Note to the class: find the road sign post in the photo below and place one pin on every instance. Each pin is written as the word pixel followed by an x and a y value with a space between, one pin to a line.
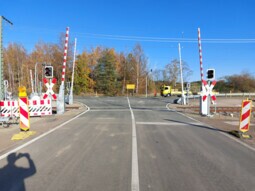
pixel 206 97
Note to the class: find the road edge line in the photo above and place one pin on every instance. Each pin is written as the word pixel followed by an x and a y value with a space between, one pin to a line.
pixel 42 135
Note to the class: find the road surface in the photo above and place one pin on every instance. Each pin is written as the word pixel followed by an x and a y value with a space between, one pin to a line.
pixel 124 144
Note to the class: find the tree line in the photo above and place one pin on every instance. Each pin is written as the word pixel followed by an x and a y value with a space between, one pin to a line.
pixel 100 70
pixel 104 70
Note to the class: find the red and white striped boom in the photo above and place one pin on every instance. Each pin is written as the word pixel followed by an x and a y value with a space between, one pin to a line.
pixel 65 56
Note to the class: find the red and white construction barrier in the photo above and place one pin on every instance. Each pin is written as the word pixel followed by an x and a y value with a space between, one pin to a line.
pixel 36 108
pixel 24 114
pixel 245 116
pixel 40 107
pixel 9 108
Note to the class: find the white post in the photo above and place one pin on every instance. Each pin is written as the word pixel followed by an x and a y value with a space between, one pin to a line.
pixel 146 84
pixel 32 84
pixel 71 88
pixel 36 78
pixel 183 96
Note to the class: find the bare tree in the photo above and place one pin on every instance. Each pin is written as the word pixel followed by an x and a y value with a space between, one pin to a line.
pixel 141 64
pixel 172 71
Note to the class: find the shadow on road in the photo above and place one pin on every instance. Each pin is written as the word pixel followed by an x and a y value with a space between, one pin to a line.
pixel 196 125
pixel 12 177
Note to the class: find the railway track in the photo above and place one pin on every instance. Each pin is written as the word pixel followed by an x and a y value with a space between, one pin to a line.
pixel 220 109
pixel 67 108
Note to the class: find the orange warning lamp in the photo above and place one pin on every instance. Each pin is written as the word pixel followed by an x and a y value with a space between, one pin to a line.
pixel 22 91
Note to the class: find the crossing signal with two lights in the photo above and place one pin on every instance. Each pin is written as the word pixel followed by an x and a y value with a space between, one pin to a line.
pixel 210 74
pixel 48 72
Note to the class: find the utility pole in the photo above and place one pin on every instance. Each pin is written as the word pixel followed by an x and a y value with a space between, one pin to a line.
pixel 137 76
pixel 183 96
pixel 146 88
pixel 1 56
pixel 71 88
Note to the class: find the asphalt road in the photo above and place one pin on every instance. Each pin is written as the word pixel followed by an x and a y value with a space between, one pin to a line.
pixel 124 144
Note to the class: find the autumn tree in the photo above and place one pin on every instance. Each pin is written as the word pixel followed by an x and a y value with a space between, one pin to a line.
pixel 244 82
pixel 82 81
pixel 16 67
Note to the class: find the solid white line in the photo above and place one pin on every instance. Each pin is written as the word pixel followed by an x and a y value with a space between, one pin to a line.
pixel 135 169
pixel 166 123
pixel 225 134
pixel 41 136
pixel 93 110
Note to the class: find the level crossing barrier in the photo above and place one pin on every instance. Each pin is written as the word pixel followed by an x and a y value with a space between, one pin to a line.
pixel 37 107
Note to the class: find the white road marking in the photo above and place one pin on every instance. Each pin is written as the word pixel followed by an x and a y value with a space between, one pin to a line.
pixel 236 123
pixel 41 136
pixel 135 170
pixel 225 134
pixel 104 110
pixel 166 123
pixel 107 118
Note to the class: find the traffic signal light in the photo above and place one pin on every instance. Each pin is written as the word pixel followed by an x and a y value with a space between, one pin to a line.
pixel 210 74
pixel 188 85
pixel 48 72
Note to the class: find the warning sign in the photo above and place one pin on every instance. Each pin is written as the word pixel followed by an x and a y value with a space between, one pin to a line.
pixel 130 86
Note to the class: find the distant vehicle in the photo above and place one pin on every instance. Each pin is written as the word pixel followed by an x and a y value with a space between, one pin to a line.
pixel 168 91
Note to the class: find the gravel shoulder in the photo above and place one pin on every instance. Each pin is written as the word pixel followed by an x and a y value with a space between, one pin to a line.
pixel 224 121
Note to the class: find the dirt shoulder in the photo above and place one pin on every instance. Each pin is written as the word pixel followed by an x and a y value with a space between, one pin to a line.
pixel 224 121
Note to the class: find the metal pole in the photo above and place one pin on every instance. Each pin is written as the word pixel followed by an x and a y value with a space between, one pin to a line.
pixel 1 61
pixel 31 76
pixel 71 89
pixel 1 56
pixel 183 96
pixel 36 78
pixel 137 76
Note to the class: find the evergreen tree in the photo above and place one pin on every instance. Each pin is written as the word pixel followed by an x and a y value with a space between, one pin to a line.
pixel 105 73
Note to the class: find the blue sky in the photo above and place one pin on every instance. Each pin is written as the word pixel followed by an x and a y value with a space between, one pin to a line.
pixel 44 20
